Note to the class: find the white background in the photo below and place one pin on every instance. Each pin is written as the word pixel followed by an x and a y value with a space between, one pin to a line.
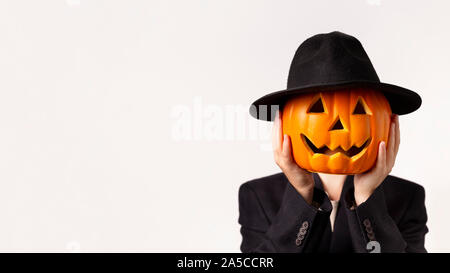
pixel 88 90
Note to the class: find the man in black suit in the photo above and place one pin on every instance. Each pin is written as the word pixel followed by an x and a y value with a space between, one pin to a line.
pixel 297 211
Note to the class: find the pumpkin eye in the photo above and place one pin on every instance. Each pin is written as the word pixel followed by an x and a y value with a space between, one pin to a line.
pixel 359 108
pixel 317 107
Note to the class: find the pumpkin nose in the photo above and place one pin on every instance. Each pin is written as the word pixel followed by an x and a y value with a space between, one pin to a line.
pixel 337 125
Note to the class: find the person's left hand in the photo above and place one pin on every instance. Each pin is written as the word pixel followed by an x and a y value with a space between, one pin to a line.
pixel 366 183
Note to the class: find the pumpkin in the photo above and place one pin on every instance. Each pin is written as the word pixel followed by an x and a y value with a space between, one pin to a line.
pixel 337 132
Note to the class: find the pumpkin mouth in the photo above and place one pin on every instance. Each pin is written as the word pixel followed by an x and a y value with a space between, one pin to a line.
pixel 352 151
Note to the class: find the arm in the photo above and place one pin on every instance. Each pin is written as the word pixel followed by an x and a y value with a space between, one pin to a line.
pixel 291 229
pixel 296 228
pixel 370 221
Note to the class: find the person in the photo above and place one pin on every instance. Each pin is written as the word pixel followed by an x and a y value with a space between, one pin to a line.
pixel 299 211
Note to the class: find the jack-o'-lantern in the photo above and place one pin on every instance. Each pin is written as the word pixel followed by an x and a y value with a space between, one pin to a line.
pixel 336 109
pixel 337 131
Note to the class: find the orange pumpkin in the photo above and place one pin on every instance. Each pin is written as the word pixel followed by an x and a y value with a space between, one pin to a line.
pixel 337 131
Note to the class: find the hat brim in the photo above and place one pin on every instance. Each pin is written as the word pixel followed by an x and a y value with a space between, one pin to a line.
pixel 402 101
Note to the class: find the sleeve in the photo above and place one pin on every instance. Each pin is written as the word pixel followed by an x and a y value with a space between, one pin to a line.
pixel 296 228
pixel 370 221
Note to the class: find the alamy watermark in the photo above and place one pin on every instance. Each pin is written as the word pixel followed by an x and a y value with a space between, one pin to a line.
pixel 198 121
pixel 373 247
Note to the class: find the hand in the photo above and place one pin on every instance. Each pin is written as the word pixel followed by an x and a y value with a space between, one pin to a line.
pixel 366 183
pixel 300 179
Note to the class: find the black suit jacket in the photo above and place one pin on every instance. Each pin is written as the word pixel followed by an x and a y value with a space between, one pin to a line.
pixel 274 217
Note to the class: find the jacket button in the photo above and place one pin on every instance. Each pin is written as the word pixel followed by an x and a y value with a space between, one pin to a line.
pixel 302 231
pixel 366 222
pixel 305 225
pixel 298 242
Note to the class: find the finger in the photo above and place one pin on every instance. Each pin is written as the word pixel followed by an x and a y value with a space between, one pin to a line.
pixel 381 158
pixel 277 133
pixel 390 153
pixel 287 151
pixel 397 134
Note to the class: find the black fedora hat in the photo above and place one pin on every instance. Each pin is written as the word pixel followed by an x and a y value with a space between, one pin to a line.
pixel 333 61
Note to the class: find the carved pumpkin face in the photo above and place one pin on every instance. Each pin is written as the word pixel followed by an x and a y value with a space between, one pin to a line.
pixel 337 131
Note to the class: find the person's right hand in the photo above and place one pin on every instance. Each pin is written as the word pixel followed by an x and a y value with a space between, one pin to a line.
pixel 300 179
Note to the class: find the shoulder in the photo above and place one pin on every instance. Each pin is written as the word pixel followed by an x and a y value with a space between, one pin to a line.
pixel 267 183
pixel 402 196
pixel 267 189
pixel 402 187
pixel 264 192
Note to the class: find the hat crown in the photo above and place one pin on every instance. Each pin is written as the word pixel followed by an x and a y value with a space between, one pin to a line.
pixel 333 57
